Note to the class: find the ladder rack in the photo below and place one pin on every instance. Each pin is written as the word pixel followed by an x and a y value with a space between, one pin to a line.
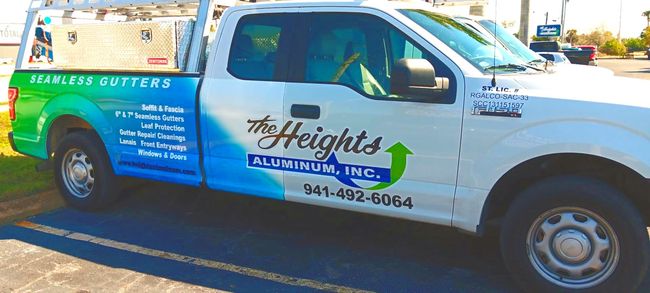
pixel 131 9
pixel 89 5
pixel 458 2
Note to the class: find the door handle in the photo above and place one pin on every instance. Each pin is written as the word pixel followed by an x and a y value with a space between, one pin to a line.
pixel 305 111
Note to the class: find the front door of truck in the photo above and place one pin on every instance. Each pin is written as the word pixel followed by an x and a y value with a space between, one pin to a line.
pixel 350 142
pixel 241 101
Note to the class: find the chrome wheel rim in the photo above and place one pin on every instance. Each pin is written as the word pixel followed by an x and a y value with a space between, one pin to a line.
pixel 573 247
pixel 78 173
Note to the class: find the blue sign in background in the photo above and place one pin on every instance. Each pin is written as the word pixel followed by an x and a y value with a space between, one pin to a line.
pixel 550 30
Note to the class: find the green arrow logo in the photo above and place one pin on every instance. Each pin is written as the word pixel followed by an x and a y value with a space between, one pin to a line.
pixel 398 152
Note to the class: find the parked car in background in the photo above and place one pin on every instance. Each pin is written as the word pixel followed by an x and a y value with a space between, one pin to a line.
pixel 557 58
pixel 585 56
pixel 488 28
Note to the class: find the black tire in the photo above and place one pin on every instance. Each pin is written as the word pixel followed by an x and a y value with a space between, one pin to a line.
pixel 591 197
pixel 104 189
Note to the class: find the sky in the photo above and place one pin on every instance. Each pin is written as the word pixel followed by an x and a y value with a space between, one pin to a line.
pixel 583 15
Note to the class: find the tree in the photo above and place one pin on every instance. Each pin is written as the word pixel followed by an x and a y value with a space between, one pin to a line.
pixel 635 44
pixel 571 36
pixel 536 38
pixel 647 16
pixel 613 47
pixel 645 35
pixel 598 37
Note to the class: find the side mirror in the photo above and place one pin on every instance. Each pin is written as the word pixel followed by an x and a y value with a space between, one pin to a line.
pixel 416 78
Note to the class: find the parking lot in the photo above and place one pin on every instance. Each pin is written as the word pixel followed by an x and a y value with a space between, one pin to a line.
pixel 230 242
pixel 172 238
pixel 637 68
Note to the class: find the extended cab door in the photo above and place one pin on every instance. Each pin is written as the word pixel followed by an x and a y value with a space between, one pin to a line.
pixel 241 97
pixel 350 141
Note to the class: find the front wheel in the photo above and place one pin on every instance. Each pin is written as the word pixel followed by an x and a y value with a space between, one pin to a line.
pixel 83 172
pixel 575 234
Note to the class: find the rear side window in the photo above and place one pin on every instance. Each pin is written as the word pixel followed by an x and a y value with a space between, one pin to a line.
pixel 548 57
pixel 255 47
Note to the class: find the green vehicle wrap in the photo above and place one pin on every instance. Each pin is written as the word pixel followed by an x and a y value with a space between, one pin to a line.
pixel 147 122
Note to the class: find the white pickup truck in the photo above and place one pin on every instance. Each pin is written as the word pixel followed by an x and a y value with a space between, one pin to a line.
pixel 377 107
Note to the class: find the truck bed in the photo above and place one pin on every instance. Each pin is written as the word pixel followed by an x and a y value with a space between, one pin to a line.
pixel 582 57
pixel 148 121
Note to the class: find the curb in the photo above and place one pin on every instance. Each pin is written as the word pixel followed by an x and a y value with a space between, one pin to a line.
pixel 622 58
pixel 32 205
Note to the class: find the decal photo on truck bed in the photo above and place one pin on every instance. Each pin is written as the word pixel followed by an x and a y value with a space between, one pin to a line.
pixel 148 122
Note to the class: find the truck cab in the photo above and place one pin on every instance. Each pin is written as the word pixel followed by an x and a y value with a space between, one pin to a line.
pixel 377 107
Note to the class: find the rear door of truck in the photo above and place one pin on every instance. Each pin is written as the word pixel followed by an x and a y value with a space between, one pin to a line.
pixel 242 102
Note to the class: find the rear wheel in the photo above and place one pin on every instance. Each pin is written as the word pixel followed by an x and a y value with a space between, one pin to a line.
pixel 83 172
pixel 573 233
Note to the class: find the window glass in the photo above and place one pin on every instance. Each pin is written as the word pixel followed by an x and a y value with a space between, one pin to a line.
pixel 565 59
pixel 510 41
pixel 358 51
pixel 548 57
pixel 255 47
pixel 479 50
pixel 401 48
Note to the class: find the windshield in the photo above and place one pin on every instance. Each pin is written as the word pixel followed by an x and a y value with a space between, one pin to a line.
pixel 471 45
pixel 512 43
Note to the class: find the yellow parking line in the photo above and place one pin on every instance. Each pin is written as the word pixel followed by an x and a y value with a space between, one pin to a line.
pixel 284 279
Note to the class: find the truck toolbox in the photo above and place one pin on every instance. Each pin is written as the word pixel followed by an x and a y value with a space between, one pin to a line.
pixel 133 45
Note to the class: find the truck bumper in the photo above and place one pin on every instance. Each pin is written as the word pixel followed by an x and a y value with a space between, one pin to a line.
pixel 11 141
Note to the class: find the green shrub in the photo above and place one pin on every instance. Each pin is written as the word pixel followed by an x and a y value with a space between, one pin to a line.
pixel 613 47
pixel 645 35
pixel 635 44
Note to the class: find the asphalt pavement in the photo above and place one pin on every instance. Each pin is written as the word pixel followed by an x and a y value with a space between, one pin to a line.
pixel 636 68
pixel 238 243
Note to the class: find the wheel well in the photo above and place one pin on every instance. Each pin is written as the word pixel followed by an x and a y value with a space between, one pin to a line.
pixel 63 126
pixel 631 183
